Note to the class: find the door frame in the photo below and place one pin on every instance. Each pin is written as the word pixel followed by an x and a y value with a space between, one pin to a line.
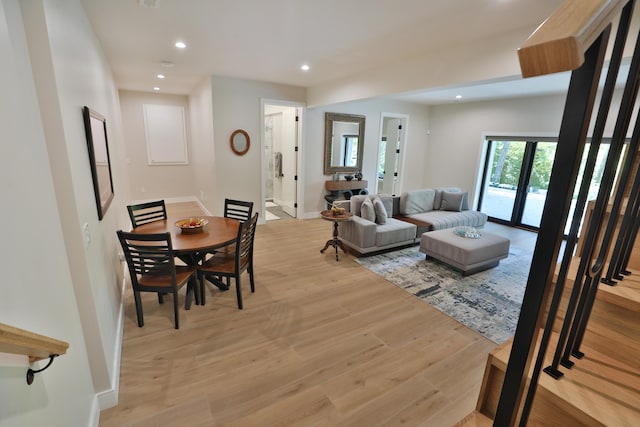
pixel 299 192
pixel 403 144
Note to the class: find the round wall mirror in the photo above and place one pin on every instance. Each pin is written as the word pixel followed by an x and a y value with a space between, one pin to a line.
pixel 240 142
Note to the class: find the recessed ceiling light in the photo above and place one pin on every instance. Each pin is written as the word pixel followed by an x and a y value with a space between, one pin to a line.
pixel 458 96
pixel 160 76
pixel 305 67
pixel 156 88
pixel 180 45
pixel 167 64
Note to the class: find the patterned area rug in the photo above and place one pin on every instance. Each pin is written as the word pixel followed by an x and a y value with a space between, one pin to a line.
pixel 487 302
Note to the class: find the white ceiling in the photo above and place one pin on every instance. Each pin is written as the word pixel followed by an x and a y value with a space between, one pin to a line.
pixel 269 40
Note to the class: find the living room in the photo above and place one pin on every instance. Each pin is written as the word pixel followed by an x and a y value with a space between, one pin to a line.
pixel 56 65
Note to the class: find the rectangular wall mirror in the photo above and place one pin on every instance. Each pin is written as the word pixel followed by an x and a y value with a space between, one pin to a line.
pixel 343 143
pixel 95 127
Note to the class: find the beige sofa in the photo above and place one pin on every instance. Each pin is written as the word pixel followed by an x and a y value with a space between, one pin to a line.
pixel 437 208
pixel 366 233
pixel 399 221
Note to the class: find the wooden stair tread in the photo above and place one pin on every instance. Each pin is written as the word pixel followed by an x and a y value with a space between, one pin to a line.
pixel 626 292
pixel 475 419
pixel 604 389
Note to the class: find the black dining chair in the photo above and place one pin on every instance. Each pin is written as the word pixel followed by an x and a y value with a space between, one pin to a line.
pixel 147 212
pixel 150 258
pixel 238 209
pixel 232 265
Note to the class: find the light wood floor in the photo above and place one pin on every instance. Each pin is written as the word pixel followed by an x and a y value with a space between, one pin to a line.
pixel 320 343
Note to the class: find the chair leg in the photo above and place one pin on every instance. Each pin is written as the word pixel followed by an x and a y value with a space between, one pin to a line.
pixel 160 298
pixel 253 285
pixel 136 297
pixel 238 292
pixel 175 309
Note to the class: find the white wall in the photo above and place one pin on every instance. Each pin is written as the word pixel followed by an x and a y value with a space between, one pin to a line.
pixel 152 182
pixel 412 175
pixel 202 148
pixel 458 130
pixel 236 105
pixel 44 149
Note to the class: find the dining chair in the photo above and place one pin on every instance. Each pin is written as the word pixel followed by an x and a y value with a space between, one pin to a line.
pixel 232 265
pixel 150 258
pixel 235 209
pixel 147 212
pixel 238 209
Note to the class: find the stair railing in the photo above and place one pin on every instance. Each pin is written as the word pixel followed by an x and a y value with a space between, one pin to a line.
pixel 573 39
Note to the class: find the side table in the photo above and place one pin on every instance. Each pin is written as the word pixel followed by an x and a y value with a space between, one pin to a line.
pixel 335 242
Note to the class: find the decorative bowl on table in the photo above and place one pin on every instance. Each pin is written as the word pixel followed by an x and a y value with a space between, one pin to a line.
pixel 191 225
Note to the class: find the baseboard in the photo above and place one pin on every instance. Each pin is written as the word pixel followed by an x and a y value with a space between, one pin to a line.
pixel 109 398
pixel 94 420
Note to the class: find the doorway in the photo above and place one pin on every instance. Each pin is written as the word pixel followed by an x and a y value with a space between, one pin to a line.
pixel 393 129
pixel 281 135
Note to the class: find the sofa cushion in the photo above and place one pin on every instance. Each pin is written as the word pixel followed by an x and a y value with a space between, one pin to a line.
pixel 416 201
pixel 394 231
pixel 367 211
pixel 452 201
pixel 438 220
pixel 380 210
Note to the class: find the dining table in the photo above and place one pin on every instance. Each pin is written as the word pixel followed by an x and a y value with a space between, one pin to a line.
pixel 192 247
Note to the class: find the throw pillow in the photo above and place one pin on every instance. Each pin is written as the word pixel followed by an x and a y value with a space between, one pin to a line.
pixel 355 203
pixel 452 201
pixel 380 210
pixel 366 210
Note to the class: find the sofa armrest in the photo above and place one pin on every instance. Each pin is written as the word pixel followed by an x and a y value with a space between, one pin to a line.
pixel 359 231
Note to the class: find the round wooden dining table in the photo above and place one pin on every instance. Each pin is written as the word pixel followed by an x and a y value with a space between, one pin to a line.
pixel 191 248
pixel 219 232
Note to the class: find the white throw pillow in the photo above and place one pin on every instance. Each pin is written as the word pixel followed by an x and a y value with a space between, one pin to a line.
pixel 367 211
pixel 380 210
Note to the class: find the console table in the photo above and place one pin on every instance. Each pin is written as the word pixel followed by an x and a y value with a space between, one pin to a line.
pixel 348 188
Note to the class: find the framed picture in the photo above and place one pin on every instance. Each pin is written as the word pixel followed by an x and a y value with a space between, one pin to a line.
pixel 95 127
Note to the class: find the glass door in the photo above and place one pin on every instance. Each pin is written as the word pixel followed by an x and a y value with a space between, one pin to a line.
pixel 538 183
pixel 516 180
pixel 504 161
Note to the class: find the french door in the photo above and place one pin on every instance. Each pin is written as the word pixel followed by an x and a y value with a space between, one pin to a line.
pixel 516 177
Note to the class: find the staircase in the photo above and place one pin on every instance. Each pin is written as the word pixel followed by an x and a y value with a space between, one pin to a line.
pixel 602 389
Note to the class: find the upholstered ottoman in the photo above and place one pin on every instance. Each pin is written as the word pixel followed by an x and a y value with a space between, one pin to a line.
pixel 465 254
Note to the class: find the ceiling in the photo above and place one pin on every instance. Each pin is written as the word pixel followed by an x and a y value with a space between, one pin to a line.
pixel 268 40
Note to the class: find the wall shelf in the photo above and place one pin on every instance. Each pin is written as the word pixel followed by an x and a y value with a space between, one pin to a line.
pixel 35 346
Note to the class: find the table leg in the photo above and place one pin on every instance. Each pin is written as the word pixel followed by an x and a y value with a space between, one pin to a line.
pixel 335 242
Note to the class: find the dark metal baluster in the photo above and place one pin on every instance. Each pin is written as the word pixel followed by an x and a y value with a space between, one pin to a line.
pixel 625 235
pixel 575 122
pixel 603 112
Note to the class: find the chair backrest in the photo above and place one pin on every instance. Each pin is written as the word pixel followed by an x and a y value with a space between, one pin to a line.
pixel 147 212
pixel 238 209
pixel 244 243
pixel 148 255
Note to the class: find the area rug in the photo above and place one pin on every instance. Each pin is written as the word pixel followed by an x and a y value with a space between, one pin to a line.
pixel 487 302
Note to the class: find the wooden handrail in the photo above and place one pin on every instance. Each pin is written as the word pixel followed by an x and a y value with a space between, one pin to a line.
pixel 37 347
pixel 560 42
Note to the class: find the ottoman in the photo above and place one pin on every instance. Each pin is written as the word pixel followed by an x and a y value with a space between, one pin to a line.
pixel 465 254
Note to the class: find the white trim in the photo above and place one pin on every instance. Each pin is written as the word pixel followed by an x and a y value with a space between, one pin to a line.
pixel 300 108
pixel 403 149
pixel 94 416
